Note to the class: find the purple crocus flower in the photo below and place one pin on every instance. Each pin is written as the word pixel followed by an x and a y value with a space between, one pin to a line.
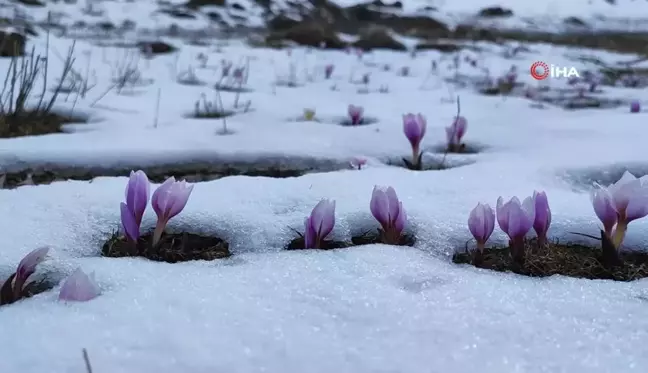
pixel 635 106
pixel 79 287
pixel 630 200
pixel 389 212
pixel 481 224
pixel 319 224
pixel 169 199
pixel 328 70
pixel 542 219
pixel 516 219
pixel 456 131
pixel 414 127
pixel 355 113
pixel 27 266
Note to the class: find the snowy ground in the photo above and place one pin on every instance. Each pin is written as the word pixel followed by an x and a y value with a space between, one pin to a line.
pixel 599 15
pixel 365 309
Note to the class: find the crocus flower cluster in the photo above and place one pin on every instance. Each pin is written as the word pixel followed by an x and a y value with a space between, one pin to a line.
pixel 319 224
pixel 514 218
pixel 414 127
pixel 13 289
pixel 384 206
pixel 355 114
pixel 619 204
pixel 455 132
pixel 635 106
pixel 168 200
pixel 76 287
pixel 389 212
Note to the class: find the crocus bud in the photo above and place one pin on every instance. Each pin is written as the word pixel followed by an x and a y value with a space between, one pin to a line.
pixel 319 224
pixel 355 114
pixel 129 224
pixel 328 71
pixel 542 219
pixel 389 212
pixel 137 194
pixel 635 106
pixel 12 288
pixel 414 127
pixel 27 267
pixel 79 287
pixel 169 199
pixel 516 219
pixel 481 224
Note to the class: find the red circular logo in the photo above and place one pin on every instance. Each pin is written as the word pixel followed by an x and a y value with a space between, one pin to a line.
pixel 539 70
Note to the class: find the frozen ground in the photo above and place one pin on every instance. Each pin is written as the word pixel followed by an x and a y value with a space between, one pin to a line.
pixel 599 15
pixel 365 309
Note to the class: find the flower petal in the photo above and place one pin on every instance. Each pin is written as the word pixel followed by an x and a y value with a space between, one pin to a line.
pixel 79 287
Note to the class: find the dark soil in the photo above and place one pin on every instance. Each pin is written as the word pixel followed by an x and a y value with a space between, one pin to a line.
pixel 172 248
pixel 461 149
pixel 424 166
pixel 34 124
pixel 365 121
pixel 192 173
pixel 559 259
pixel 298 244
pixel 204 114
pixel 370 238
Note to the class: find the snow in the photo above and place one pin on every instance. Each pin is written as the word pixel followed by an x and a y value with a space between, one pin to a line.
pixel 366 309
pixel 600 15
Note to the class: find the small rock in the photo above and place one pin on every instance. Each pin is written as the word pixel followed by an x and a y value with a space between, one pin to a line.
pixel 238 6
pixel 495 11
pixel 11 44
pixel 194 4
pixel 282 23
pixel 156 47
pixel 574 21
pixel 378 38
pixel 178 13
pixel 441 47
pixel 31 3
pixel 106 26
pixel 311 34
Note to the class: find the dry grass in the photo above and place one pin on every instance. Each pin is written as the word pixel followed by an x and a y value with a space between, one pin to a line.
pixel 559 259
